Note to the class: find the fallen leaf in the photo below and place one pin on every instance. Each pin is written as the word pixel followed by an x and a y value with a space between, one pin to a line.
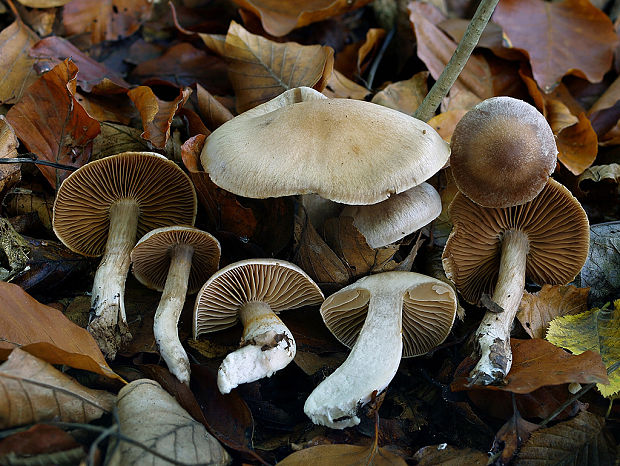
pixel 46 333
pixel 107 19
pixel 537 363
pixel 52 124
pixel 115 138
pixel 279 18
pixel 154 418
pixel 578 145
pixel 510 437
pixel 37 392
pixel 545 31
pixel 111 108
pixel 597 330
pixel 446 455
pixel 93 76
pixel 260 69
pixel 598 173
pixel 339 86
pixel 404 96
pixel 342 455
pixel 538 309
pixel 43 3
pixel 157 114
pixel 26 199
pixel 211 110
pixel 17 73
pixel 582 440
pixel 601 271
pixel 40 438
pixel 353 60
pixel 10 173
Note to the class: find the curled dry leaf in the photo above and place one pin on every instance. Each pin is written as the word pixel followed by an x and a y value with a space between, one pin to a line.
pixel 157 114
pixel 404 96
pixel 15 64
pixel 279 18
pixel 34 391
pixel 46 333
pixel 353 60
pixel 260 69
pixel 574 25
pixel 598 173
pixel 343 455
pixel 510 437
pixel 538 309
pixel 149 415
pixel 52 124
pixel 105 19
pixel 211 110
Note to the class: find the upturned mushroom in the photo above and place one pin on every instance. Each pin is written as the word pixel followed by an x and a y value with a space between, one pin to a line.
pixel 301 142
pixel 253 291
pixel 176 260
pixel 492 250
pixel 102 209
pixel 384 317
pixel 503 152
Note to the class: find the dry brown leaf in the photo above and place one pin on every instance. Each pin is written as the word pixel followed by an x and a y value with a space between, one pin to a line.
pixel 46 333
pixel 279 18
pixel 339 86
pixel 261 69
pixel 34 391
pixel 578 145
pixel 52 124
pixel 446 455
pixel 30 199
pixel 105 19
pixel 211 110
pixel 547 30
pixel 597 173
pixel 10 174
pixel 39 439
pixel 538 309
pixel 537 363
pixel 353 60
pixel 343 455
pixel 157 114
pixel 445 122
pixel 404 96
pixel 115 108
pixel 16 65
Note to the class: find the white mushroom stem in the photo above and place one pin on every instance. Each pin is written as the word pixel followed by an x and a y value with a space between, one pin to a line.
pixel 166 324
pixel 370 367
pixel 267 346
pixel 493 334
pixel 108 323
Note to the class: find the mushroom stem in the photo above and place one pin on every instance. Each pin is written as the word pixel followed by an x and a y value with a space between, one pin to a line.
pixel 267 346
pixel 370 367
pixel 493 334
pixel 108 324
pixel 165 326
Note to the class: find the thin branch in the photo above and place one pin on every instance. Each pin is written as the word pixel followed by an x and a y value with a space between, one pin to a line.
pixel 33 159
pixel 451 72
pixel 379 57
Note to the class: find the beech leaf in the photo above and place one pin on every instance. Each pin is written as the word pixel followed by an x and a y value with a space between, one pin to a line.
pixel 34 391
pixel 404 96
pixel 15 64
pixel 446 455
pixel 343 455
pixel 211 110
pixel 596 330
pixel 339 86
pixel 595 174
pixel 46 333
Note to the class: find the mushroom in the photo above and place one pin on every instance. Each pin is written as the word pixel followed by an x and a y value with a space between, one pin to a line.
pixel 253 291
pixel 176 260
pixel 102 209
pixel 384 317
pixel 492 250
pixel 301 142
pixel 503 152
pixel 396 217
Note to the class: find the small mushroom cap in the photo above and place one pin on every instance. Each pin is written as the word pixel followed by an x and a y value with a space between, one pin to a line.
pixel 554 222
pixel 345 150
pixel 396 217
pixel 503 152
pixel 429 307
pixel 278 283
pixel 151 256
pixel 164 193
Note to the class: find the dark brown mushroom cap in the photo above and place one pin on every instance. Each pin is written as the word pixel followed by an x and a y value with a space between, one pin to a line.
pixel 429 307
pixel 164 193
pixel 151 256
pixel 278 283
pixel 503 152
pixel 556 226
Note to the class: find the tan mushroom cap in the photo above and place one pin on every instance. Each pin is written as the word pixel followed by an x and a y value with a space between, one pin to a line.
pixel 164 193
pixel 278 283
pixel 556 226
pixel 503 151
pixel 151 256
pixel 429 307
pixel 396 217
pixel 345 150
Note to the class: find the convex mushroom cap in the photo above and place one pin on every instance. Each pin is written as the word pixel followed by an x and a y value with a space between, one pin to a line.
pixel 252 291
pixel 301 142
pixel 383 317
pixel 175 260
pixel 503 151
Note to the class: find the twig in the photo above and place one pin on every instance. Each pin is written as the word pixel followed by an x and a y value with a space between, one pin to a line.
pixel 567 403
pixel 375 64
pixel 33 159
pixel 450 73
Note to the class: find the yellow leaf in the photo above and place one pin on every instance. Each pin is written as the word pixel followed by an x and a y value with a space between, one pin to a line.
pixel 597 330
